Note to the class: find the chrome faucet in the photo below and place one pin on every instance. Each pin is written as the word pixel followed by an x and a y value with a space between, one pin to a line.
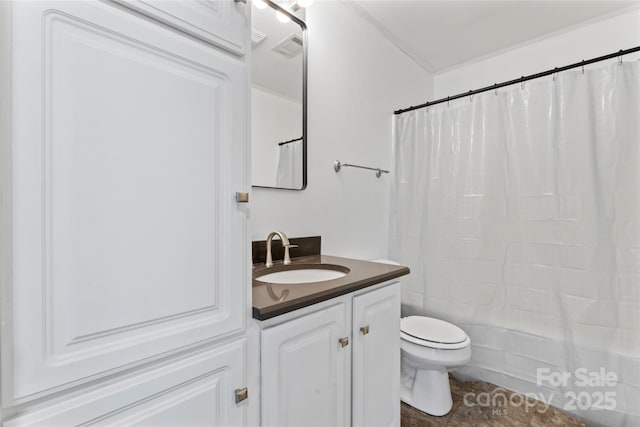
pixel 285 244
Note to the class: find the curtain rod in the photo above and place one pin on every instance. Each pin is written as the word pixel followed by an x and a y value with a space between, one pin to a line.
pixel 521 79
pixel 290 141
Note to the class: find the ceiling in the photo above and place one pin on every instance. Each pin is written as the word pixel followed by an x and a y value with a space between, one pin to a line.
pixel 441 35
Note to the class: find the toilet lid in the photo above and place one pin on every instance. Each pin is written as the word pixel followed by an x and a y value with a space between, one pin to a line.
pixel 430 329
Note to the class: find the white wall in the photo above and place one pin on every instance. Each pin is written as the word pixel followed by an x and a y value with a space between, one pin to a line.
pixel 357 78
pixel 582 42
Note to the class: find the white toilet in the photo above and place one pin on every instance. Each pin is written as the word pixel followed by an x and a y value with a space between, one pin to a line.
pixel 429 349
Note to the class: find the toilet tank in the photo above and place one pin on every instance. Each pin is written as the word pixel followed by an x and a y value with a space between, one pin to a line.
pixel 407 308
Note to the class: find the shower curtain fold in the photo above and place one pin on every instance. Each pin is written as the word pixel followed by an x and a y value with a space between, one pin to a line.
pixel 519 216
pixel 289 172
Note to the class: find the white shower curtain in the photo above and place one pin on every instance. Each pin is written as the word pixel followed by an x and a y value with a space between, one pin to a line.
pixel 289 173
pixel 518 213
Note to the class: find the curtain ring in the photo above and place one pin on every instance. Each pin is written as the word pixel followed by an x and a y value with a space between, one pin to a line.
pixel 522 83
pixel 470 96
pixel 583 66
pixel 496 86
pixel 620 60
pixel 555 73
pixel 447 102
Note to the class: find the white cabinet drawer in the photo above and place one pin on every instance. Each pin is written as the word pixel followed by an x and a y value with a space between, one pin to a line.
pixel 195 391
pixel 221 22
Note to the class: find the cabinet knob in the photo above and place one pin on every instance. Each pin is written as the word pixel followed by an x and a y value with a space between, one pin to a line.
pixel 242 197
pixel 241 394
pixel 344 341
pixel 364 330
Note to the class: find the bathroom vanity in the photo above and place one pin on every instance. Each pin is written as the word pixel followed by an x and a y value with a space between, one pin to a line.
pixel 330 350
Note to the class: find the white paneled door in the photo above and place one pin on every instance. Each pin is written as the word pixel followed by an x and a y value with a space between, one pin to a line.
pixel 128 143
pixel 376 358
pixel 216 21
pixel 305 370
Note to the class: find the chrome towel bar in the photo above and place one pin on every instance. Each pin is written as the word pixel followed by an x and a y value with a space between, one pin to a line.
pixel 337 165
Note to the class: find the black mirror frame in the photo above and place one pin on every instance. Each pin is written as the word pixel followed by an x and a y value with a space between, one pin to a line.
pixel 303 27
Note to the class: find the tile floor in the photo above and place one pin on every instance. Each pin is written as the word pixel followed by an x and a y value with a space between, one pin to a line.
pixel 462 415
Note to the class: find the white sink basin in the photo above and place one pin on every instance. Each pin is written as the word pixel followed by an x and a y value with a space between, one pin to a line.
pixel 303 275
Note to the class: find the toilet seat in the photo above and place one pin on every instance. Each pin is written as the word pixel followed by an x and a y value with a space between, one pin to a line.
pixel 433 333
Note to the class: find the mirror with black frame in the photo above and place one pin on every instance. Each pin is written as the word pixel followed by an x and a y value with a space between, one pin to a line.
pixel 278 97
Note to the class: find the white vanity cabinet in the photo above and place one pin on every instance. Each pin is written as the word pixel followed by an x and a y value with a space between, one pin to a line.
pixel 335 363
pixel 125 279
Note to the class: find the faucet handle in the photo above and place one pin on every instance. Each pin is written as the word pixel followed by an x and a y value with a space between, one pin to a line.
pixel 287 258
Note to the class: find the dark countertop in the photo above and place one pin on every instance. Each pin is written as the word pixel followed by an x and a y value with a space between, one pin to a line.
pixel 268 299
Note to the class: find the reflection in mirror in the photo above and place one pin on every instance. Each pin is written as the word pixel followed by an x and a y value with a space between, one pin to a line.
pixel 278 98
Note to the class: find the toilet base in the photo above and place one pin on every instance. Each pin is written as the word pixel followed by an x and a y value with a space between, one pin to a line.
pixel 430 393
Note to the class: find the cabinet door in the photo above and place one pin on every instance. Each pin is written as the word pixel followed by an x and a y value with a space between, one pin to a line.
pixel 128 146
pixel 305 375
pixel 221 22
pixel 376 357
pixel 194 391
